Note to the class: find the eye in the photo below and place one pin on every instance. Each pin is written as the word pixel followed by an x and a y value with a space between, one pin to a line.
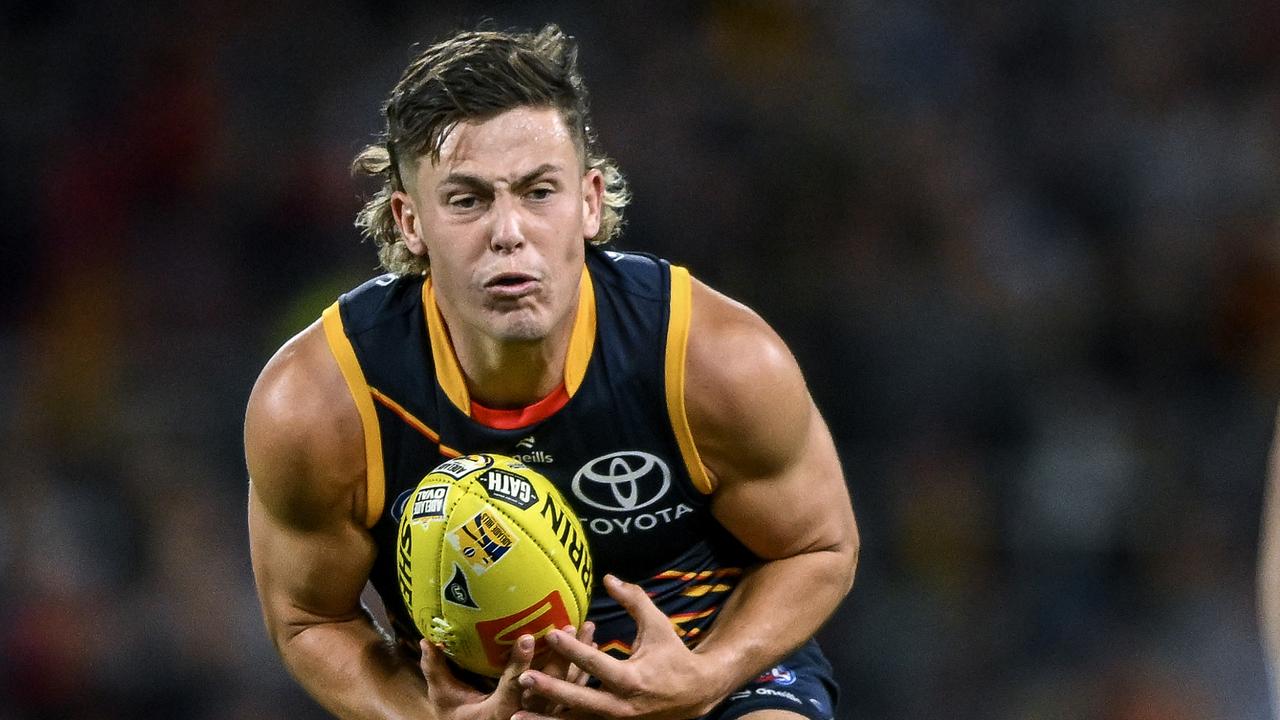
pixel 539 193
pixel 463 202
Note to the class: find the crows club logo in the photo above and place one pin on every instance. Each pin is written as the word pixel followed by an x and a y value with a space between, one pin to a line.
pixel 622 481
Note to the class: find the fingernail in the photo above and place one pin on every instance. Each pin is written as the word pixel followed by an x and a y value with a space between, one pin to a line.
pixel 526 642
pixel 526 680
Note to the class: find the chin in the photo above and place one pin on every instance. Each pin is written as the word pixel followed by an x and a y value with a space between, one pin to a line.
pixel 520 330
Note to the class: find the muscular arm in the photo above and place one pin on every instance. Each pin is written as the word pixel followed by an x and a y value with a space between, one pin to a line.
pixel 1269 571
pixel 779 487
pixel 311 554
pixel 779 490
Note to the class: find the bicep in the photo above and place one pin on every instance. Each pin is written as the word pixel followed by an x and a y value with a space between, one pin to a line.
pixel 304 449
pixel 799 505
pixel 779 486
pixel 310 573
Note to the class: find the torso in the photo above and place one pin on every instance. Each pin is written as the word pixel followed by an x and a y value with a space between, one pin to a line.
pixel 619 448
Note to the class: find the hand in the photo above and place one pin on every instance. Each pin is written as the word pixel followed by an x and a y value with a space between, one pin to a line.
pixel 662 680
pixel 456 700
pixel 558 666
pixel 453 699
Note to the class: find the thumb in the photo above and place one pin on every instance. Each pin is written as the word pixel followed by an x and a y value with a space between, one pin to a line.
pixel 649 619
pixel 443 686
pixel 509 683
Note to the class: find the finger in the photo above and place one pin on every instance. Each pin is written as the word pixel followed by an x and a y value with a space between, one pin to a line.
pixel 585 656
pixel 530 715
pixel 586 636
pixel 639 606
pixel 587 633
pixel 442 685
pixel 554 663
pixel 576 675
pixel 509 683
pixel 554 715
pixel 578 698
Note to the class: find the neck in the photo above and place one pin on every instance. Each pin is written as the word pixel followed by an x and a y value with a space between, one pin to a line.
pixel 474 366
pixel 511 374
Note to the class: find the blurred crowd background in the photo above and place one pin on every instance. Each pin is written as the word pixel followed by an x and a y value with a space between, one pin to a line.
pixel 1027 254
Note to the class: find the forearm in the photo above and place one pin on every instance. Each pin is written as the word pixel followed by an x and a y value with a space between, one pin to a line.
pixel 761 622
pixel 351 670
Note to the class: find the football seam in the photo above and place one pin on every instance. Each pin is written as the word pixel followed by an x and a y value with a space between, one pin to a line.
pixel 441 547
pixel 567 581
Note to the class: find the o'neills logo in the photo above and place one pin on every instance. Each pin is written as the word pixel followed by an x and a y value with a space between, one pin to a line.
pixel 526 453
pixel 629 486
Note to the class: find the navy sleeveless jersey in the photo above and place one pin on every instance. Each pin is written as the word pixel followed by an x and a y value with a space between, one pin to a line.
pixel 620 449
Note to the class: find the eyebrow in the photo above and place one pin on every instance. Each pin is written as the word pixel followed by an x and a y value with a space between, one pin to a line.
pixel 479 183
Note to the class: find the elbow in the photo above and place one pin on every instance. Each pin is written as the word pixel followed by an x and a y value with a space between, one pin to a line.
pixel 846 550
pixel 849 563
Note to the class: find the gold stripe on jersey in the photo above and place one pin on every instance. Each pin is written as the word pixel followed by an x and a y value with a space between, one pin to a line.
pixel 582 341
pixel 677 346
pixel 413 422
pixel 679 619
pixel 448 372
pixel 340 346
pixel 616 646
pixel 688 576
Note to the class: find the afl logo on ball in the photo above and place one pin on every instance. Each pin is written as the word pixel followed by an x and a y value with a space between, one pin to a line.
pixel 622 481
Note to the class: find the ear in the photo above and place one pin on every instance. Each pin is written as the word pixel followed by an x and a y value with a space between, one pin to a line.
pixel 592 202
pixel 405 211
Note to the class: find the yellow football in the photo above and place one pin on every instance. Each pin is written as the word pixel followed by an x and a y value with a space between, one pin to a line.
pixel 488 551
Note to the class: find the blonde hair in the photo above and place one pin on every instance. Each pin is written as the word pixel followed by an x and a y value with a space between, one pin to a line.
pixel 477 75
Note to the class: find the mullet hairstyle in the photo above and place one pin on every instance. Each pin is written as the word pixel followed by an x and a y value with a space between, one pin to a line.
pixel 477 75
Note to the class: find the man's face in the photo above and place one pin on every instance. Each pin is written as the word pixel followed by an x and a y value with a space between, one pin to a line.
pixel 502 218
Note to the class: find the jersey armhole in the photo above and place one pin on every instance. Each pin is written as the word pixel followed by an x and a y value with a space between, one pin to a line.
pixel 677 346
pixel 345 354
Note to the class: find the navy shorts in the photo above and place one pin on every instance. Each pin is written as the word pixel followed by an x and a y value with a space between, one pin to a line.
pixel 802 683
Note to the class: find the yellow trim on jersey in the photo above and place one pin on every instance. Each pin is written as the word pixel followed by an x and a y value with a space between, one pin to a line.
pixel 413 422
pixel 677 346
pixel 448 372
pixel 582 341
pixel 340 346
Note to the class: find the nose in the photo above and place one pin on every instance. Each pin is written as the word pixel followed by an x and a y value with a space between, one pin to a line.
pixel 506 233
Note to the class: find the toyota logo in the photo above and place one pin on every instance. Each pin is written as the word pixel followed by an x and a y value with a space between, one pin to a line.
pixel 622 481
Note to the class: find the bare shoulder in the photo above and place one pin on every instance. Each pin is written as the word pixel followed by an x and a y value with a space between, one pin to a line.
pixel 303 440
pixel 746 398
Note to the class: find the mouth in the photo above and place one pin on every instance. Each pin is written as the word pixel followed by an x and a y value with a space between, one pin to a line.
pixel 510 284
